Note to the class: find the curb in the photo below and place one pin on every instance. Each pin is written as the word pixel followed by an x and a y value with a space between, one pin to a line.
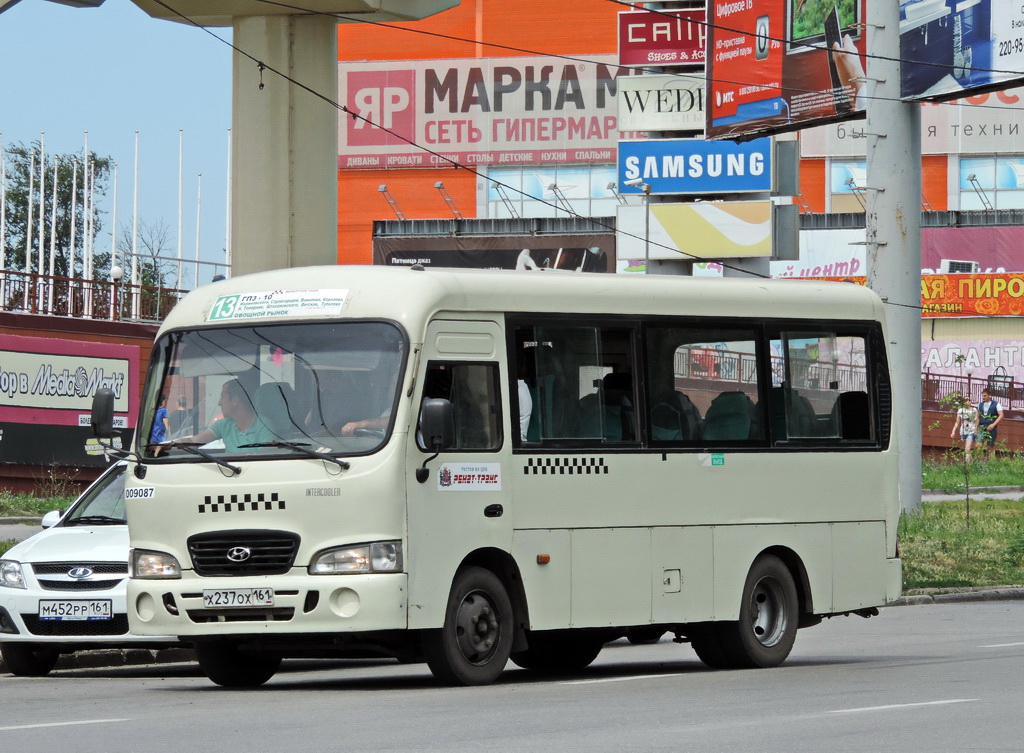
pixel 970 595
pixel 118 657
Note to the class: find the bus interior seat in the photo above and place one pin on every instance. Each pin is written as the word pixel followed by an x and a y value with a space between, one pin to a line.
pixel 619 416
pixel 274 403
pixel 731 416
pixel 798 421
pixel 851 415
pixel 674 417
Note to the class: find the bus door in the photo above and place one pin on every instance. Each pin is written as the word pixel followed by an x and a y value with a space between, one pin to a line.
pixel 462 506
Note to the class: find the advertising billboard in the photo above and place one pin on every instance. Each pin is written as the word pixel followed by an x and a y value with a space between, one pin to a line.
pixel 688 166
pixel 493 111
pixel 46 391
pixel 663 38
pixel 950 48
pixel 777 66
pixel 662 103
pixel 578 253
pixel 705 230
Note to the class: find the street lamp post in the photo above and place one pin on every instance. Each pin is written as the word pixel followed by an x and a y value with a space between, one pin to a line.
pixel 116 274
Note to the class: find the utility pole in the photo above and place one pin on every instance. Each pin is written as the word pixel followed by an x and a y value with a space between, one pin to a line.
pixel 893 219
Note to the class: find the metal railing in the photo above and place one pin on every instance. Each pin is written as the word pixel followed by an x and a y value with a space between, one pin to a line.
pixel 935 387
pixel 30 293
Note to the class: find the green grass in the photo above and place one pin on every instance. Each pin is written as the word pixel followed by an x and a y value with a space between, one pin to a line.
pixel 26 505
pixel 6 544
pixel 948 475
pixel 941 548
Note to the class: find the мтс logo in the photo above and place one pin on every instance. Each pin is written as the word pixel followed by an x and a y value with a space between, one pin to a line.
pixel 382 101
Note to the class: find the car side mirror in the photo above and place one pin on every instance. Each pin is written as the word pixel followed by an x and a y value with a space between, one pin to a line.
pixel 103 413
pixel 51 519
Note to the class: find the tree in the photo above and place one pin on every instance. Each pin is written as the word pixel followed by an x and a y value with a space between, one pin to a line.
pixel 19 176
pixel 154 249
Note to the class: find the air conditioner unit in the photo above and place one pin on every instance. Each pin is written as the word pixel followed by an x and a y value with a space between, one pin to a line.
pixel 957 267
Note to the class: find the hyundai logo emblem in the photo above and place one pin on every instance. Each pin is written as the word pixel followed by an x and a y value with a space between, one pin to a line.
pixel 239 553
pixel 79 573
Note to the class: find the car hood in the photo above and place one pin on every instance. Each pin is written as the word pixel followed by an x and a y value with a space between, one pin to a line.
pixel 78 543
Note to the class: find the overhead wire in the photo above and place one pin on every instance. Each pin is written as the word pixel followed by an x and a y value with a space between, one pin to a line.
pixel 455 164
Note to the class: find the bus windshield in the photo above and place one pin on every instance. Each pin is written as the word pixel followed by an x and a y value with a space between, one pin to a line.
pixel 282 390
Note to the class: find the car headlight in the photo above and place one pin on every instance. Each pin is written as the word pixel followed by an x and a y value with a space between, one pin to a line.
pixel 378 557
pixel 146 564
pixel 11 574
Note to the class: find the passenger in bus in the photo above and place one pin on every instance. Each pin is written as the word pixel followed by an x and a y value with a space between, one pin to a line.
pixel 239 425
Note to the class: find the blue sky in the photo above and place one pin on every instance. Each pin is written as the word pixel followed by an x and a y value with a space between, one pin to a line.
pixel 114 70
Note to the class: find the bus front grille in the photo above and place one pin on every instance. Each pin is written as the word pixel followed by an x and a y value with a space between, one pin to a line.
pixel 243 552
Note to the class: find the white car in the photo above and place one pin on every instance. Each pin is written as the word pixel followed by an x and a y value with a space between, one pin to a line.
pixel 63 589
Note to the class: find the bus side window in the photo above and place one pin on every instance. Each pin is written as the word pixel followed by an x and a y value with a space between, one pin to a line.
pixel 475 396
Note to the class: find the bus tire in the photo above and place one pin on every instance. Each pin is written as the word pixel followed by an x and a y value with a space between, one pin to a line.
pixel 227 666
pixel 473 646
pixel 557 652
pixel 29 659
pixel 769 617
pixel 708 647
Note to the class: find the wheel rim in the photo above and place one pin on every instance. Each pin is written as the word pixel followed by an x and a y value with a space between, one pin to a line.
pixel 768 615
pixel 477 628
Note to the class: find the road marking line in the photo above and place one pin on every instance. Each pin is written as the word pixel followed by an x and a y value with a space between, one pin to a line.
pixel 62 724
pixel 1002 645
pixel 617 679
pixel 904 706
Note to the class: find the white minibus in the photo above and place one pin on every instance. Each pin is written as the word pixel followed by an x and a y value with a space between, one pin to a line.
pixel 472 467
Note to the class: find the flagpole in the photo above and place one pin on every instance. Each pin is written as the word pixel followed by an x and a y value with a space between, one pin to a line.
pixel 113 252
pixel 28 231
pixel 135 234
pixel 180 160
pixel 74 223
pixel 53 239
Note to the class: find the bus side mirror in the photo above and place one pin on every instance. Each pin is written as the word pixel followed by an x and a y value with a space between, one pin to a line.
pixel 103 413
pixel 437 424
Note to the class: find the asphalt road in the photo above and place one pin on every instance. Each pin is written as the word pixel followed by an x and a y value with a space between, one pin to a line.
pixel 942 677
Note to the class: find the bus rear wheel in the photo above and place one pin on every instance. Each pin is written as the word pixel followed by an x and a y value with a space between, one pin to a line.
pixel 226 665
pixel 766 630
pixel 473 646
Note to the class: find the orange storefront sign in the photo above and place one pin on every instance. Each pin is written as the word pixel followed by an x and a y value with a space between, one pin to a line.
pixel 966 295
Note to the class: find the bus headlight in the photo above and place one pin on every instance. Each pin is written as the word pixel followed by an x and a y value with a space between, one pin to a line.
pixel 378 557
pixel 11 574
pixel 147 564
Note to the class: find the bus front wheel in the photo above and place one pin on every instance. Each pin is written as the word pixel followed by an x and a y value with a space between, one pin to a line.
pixel 230 667
pixel 473 646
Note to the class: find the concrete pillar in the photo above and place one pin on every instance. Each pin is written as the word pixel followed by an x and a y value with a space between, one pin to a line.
pixel 893 216
pixel 284 151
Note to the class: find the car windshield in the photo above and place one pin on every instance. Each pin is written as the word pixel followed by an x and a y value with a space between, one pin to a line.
pixel 102 504
pixel 310 389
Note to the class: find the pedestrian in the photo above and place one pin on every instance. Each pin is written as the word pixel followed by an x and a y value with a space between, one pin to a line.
pixel 161 427
pixel 967 425
pixel 990 414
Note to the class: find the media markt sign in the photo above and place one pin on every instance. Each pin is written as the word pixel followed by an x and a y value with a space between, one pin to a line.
pixel 275 303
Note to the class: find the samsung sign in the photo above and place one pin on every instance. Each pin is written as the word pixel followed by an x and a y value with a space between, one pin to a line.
pixel 681 166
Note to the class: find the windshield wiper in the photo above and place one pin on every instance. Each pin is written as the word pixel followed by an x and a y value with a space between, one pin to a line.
pixel 302 447
pixel 191 447
pixel 96 520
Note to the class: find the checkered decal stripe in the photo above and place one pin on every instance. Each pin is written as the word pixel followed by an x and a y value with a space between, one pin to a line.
pixel 565 466
pixel 241 503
